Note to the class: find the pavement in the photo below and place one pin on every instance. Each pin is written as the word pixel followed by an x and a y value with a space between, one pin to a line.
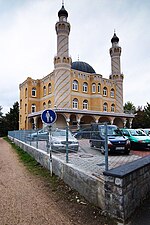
pixel 91 160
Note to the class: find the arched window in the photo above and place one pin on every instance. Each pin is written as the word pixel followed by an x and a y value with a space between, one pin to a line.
pixel 49 88
pixel 105 107
pixel 75 103
pixel 113 108
pixel 85 87
pixel 44 105
pixel 44 90
pixel 105 91
pixel 49 104
pixel 85 104
pixel 75 85
pixel 33 92
pixel 33 108
pixel 112 93
pixel 93 88
pixel 99 88
pixel 26 93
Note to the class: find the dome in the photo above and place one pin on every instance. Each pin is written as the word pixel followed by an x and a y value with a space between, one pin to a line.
pixel 114 39
pixel 82 66
pixel 62 12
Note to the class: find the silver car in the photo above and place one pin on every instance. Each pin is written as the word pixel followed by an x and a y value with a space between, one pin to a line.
pixel 58 141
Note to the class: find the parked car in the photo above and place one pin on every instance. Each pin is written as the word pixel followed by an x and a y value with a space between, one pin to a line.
pixel 83 133
pixel 138 140
pixel 38 135
pixel 58 139
pixel 116 141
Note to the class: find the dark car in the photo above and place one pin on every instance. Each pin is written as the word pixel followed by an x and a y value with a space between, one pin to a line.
pixel 83 133
pixel 117 143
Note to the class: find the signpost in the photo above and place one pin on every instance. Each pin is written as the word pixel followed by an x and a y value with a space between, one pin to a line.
pixel 49 117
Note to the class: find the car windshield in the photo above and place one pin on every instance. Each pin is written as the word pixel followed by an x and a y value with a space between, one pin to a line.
pixel 111 131
pixel 134 132
pixel 141 133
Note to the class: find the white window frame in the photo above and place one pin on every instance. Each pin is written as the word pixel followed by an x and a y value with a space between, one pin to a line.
pixel 44 91
pixel 85 104
pixel 93 88
pixel 113 108
pixel 33 92
pixel 75 103
pixel 105 91
pixel 99 88
pixel 105 107
pixel 33 108
pixel 112 93
pixel 75 85
pixel 85 87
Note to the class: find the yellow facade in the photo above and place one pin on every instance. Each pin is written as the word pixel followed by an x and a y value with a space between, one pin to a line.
pixel 74 90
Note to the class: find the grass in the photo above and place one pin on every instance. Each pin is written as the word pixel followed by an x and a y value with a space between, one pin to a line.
pixel 33 166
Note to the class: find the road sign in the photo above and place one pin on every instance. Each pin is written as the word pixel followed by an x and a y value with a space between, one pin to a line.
pixel 48 116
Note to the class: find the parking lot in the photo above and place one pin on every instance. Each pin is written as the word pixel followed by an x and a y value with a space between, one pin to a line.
pixel 91 160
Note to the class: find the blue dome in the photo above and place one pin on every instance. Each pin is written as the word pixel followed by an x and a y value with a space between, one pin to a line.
pixel 82 66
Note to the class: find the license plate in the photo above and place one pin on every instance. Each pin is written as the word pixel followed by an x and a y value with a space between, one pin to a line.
pixel 120 148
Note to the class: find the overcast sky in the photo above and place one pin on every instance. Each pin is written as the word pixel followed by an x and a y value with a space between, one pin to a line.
pixel 28 42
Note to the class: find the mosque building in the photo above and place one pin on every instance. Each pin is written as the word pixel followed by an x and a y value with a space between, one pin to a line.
pixel 73 89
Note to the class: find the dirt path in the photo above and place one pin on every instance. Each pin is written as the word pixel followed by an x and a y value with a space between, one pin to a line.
pixel 27 199
pixel 23 199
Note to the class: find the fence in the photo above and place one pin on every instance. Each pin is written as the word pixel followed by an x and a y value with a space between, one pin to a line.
pixel 92 139
pixel 66 140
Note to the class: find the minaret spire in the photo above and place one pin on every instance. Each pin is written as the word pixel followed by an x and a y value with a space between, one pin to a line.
pixel 62 61
pixel 116 75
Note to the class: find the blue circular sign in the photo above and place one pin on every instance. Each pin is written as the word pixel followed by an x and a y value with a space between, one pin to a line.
pixel 49 116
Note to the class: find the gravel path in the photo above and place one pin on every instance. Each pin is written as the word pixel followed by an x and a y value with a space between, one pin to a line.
pixel 23 198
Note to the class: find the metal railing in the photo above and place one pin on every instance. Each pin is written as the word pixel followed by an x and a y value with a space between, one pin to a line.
pixel 75 140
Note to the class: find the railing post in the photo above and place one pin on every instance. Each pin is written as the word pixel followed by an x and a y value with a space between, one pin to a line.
pixel 106 148
pixel 67 144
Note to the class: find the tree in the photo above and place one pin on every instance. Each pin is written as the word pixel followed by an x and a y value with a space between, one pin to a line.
pixel 12 118
pixel 139 120
pixel 129 107
pixel 147 115
pixel 10 121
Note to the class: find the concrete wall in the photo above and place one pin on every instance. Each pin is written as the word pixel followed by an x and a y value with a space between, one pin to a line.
pixel 126 187
pixel 88 186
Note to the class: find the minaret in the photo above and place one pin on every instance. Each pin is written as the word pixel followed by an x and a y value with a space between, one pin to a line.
pixel 116 75
pixel 62 62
